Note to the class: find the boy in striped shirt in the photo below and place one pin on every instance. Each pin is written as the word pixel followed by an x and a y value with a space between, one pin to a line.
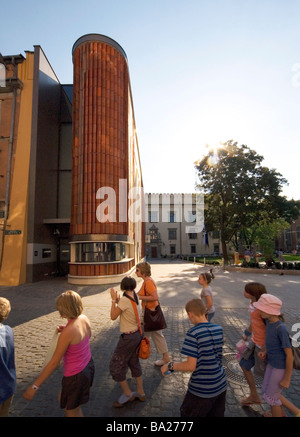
pixel 203 345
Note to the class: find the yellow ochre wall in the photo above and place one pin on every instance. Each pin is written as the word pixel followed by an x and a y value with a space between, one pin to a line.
pixel 13 271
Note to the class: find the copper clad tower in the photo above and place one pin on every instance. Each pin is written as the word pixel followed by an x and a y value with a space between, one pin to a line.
pixel 105 164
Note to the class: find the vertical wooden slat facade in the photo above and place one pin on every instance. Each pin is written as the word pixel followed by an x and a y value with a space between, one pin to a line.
pixel 101 98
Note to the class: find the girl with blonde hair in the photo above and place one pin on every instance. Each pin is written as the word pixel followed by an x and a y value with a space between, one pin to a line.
pixel 206 294
pixel 73 347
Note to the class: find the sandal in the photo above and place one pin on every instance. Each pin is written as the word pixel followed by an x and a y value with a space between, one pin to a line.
pixel 141 398
pixel 246 402
pixel 123 400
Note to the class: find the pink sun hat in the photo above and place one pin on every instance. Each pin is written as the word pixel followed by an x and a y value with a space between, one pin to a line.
pixel 269 304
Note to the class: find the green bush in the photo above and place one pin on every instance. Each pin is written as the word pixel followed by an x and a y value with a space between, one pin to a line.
pixel 245 264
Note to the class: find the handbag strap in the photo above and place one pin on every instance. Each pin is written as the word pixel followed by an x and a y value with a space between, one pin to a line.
pixel 133 302
pixel 136 314
pixel 150 279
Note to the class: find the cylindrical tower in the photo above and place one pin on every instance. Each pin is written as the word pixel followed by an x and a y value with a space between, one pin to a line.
pixel 101 243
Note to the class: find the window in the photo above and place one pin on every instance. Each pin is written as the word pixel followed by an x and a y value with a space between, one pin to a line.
pixel 172 249
pixel 172 217
pixel 191 216
pixel 216 249
pixel 97 252
pixel 46 253
pixel 193 236
pixel 153 216
pixel 193 248
pixel 153 232
pixel 172 234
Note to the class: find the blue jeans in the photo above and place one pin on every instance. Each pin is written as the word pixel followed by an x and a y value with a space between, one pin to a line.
pixel 210 316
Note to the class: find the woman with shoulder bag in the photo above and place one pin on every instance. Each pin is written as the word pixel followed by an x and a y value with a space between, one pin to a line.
pixel 125 354
pixel 149 297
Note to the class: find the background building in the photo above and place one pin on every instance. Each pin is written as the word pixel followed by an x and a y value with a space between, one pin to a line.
pixel 289 240
pixel 172 230
pixel 54 158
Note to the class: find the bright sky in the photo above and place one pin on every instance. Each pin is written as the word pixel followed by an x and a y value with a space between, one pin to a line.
pixel 202 72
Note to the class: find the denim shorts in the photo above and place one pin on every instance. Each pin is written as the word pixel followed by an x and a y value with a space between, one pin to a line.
pixel 254 361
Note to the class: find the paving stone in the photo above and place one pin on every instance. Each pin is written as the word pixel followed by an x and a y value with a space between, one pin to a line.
pixel 34 318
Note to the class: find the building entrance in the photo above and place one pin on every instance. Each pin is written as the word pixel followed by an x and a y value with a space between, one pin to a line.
pixel 153 252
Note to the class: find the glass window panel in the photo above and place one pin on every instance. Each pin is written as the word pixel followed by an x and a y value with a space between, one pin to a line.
pixel 100 252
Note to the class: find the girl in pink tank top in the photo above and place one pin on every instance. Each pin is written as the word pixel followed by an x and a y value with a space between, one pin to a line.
pixel 73 347
pixel 77 357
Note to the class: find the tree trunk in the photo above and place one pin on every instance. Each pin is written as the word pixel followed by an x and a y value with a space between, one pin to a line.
pixel 224 250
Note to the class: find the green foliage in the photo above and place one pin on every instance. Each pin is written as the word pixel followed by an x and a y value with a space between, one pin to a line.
pixel 267 232
pixel 251 264
pixel 240 193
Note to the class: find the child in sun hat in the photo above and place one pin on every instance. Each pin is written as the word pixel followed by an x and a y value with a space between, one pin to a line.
pixel 279 356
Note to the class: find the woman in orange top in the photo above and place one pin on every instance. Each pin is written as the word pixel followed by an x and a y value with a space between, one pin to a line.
pixel 148 295
pixel 257 327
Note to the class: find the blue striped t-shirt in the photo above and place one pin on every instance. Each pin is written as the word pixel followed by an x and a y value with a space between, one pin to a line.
pixel 205 342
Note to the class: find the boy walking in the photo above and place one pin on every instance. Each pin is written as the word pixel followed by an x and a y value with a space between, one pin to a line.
pixel 203 345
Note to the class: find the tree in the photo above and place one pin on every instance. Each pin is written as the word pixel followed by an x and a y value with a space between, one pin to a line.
pixel 266 234
pixel 238 191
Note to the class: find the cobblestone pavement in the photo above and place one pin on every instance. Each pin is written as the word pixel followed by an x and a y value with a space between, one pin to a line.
pixel 34 318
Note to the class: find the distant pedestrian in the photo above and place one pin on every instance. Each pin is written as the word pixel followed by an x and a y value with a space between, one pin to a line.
pixel 149 297
pixel 206 394
pixel 279 356
pixel 125 355
pixel 73 347
pixel 247 255
pixel 280 255
pixel 7 360
pixel 257 331
pixel 206 293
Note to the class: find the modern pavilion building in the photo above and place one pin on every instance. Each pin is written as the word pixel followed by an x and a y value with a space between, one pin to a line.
pixel 71 189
